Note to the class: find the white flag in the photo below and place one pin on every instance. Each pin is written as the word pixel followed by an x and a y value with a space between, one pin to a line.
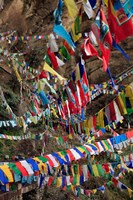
pixel 88 9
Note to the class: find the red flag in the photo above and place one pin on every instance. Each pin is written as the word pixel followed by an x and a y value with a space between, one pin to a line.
pixel 88 50
pixel 69 48
pixel 73 87
pixel 37 106
pixel 73 108
pixel 50 180
pixel 53 59
pixel 84 81
pixel 43 75
pixel 61 112
pixel 112 111
pixel 103 36
pixel 82 95
pixel 120 24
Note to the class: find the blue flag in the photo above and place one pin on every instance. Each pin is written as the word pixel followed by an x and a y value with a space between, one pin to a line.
pixel 116 46
pixel 60 30
pixel 92 3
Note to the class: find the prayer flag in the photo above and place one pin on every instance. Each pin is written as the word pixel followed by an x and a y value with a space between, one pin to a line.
pixel 88 8
pixel 101 30
pixel 76 27
pixel 60 30
pixel 72 8
pixel 120 23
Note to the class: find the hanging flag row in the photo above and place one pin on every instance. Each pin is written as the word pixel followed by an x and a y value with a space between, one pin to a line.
pixel 23 38
pixel 26 170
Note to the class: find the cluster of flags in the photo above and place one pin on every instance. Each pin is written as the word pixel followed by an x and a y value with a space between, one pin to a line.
pixel 107 116
pixel 76 95
pixel 102 30
pixel 42 168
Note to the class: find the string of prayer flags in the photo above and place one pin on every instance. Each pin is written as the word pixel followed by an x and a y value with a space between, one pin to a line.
pixel 6 33
pixel 58 158
pixel 121 186
pixel 8 123
pixel 23 38
pixel 23 137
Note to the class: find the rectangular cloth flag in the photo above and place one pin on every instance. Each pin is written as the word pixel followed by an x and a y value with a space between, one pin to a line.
pixel 61 31
pixel 52 71
pixel 58 12
pixel 88 8
pixel 88 50
pixel 53 59
pixel 76 27
pixel 101 30
pixel 128 7
pixel 120 23
pixel 72 8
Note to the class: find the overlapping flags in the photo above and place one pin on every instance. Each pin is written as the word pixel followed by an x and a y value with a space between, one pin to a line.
pixel 88 50
pixel 128 7
pixel 120 19
pixel 36 166
pixel 102 33
pixel 76 27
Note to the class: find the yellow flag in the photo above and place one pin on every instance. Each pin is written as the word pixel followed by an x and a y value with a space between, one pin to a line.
pixel 100 119
pixel 75 37
pixel 23 124
pixel 121 105
pixel 72 188
pixel 33 119
pixel 78 179
pixel 129 91
pixel 70 136
pixel 41 165
pixel 40 85
pixel 72 8
pixel 54 112
pixel 106 2
pixel 95 170
pixel 130 192
pixel 17 74
pixel 94 191
pixel 7 172
pixel 77 73
pixel 59 181
pixel 52 71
